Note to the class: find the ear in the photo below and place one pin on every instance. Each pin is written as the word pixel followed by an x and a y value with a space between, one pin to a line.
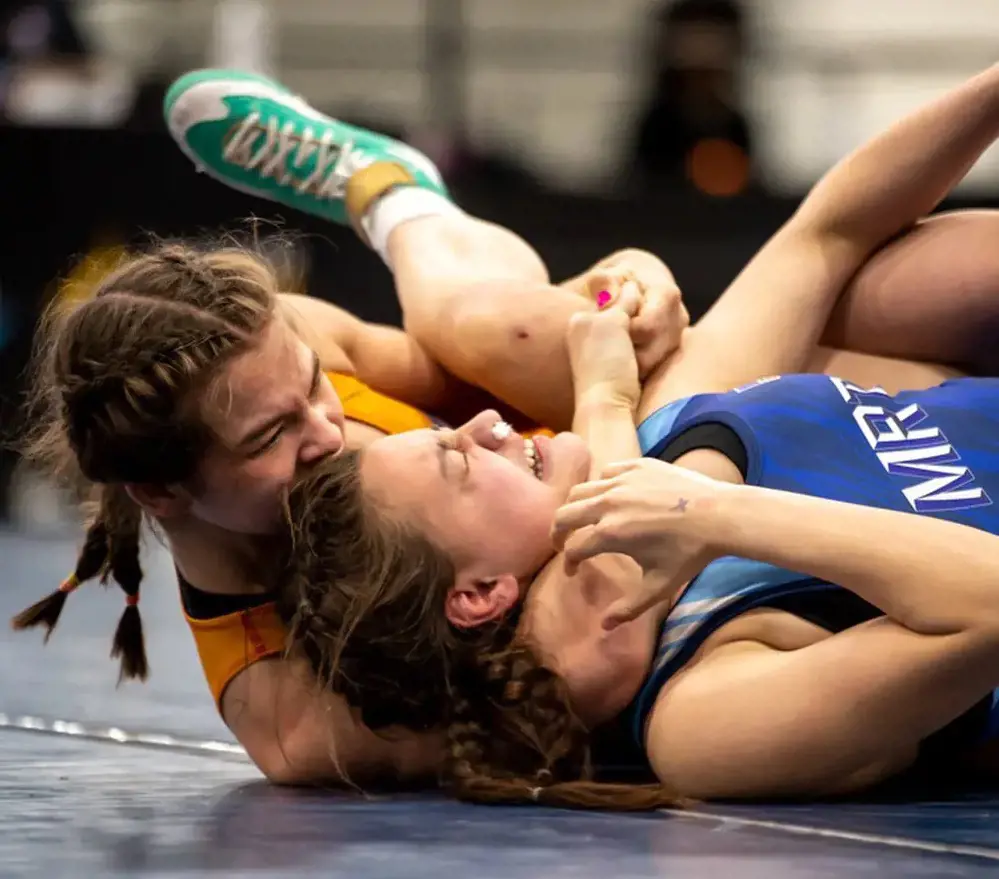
pixel 159 501
pixel 474 602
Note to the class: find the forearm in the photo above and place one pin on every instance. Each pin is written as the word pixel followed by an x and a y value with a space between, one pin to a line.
pixel 931 576
pixel 770 318
pixel 395 364
pixel 607 426
pixel 904 174
pixel 384 357
pixel 326 328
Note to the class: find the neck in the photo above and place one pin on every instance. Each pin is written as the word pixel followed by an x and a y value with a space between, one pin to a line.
pixel 215 560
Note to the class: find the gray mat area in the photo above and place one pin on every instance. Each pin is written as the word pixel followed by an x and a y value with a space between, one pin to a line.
pixel 76 806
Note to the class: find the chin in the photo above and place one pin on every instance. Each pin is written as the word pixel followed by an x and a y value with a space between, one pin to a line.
pixel 572 459
pixel 256 526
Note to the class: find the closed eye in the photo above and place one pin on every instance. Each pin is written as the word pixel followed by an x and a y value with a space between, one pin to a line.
pixel 279 428
pixel 317 376
pixel 451 441
pixel 269 443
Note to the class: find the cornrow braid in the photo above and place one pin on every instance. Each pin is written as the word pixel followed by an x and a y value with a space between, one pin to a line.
pixel 190 263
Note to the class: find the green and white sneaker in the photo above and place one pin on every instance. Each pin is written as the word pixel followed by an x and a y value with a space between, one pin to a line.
pixel 254 135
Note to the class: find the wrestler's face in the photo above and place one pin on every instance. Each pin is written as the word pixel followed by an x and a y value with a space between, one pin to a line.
pixel 273 411
pixel 480 494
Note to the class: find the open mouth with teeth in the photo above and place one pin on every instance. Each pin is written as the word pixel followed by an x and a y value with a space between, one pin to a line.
pixel 533 458
pixel 501 430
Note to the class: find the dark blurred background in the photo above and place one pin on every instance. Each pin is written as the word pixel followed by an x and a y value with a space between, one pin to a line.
pixel 690 128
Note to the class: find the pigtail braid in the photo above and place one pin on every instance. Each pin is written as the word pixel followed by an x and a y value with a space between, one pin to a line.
pixel 123 566
pixel 92 561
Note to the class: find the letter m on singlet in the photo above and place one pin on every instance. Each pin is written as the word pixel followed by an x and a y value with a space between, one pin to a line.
pixel 944 486
pixel 907 444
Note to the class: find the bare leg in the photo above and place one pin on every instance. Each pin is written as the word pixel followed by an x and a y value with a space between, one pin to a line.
pixel 870 370
pixel 931 295
pixel 457 281
pixel 478 298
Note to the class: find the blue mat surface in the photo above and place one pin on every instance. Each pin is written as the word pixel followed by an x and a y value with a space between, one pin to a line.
pixel 146 781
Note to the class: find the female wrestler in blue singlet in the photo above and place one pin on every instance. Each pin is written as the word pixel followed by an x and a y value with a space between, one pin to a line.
pixel 762 652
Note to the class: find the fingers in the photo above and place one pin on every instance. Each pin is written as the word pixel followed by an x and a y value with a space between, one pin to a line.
pixel 618 468
pixel 586 507
pixel 658 587
pixel 629 299
pixel 589 489
pixel 630 608
pixel 587 502
pixel 616 290
pixel 660 303
pixel 579 513
pixel 659 324
pixel 586 543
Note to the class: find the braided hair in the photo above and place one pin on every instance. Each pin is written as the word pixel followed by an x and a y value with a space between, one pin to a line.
pixel 115 402
pixel 364 598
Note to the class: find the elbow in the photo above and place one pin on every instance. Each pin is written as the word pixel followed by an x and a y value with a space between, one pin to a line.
pixel 281 776
pixel 284 775
pixel 281 769
pixel 285 765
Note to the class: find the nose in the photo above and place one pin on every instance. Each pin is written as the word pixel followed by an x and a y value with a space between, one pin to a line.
pixel 324 435
pixel 482 431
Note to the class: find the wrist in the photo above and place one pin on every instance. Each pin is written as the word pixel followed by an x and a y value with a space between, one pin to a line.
pixel 605 399
pixel 721 514
pixel 754 522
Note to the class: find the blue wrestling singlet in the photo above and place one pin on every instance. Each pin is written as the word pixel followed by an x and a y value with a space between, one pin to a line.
pixel 932 452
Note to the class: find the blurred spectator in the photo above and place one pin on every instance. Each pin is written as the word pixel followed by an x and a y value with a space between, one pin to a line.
pixel 692 131
pixel 38 30
pixel 34 33
pixel 49 74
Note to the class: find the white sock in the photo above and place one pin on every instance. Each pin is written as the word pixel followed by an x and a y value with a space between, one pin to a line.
pixel 399 206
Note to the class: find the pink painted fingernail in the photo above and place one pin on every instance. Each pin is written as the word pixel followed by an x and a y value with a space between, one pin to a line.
pixel 603 299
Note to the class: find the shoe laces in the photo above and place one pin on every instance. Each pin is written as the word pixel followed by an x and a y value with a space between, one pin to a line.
pixel 334 163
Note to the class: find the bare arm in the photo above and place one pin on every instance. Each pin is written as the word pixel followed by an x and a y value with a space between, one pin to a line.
pixel 300 734
pixel 386 358
pixel 608 427
pixel 747 720
pixel 771 316
pixel 605 385
pixel 566 606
